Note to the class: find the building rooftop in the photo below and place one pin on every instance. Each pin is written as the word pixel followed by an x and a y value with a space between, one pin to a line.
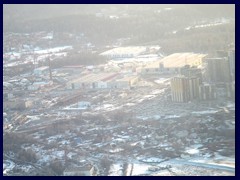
pixel 178 60
pixel 125 50
pixel 215 58
pixel 95 78
pixel 127 78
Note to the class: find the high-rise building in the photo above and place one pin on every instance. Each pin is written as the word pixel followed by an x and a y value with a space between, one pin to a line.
pixel 231 59
pixel 221 53
pixel 207 92
pixel 184 89
pixel 218 70
pixel 230 87
pixel 179 88
pixel 194 84
pixel 190 72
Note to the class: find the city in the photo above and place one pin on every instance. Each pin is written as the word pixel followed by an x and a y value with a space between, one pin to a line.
pixel 74 105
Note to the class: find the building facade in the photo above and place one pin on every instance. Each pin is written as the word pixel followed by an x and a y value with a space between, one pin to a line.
pixel 231 58
pixel 218 70
pixel 184 89
pixel 230 87
pixel 188 71
pixel 173 63
pixel 207 92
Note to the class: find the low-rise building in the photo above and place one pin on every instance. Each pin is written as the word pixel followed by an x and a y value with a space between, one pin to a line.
pixel 16 104
pixel 37 85
pixel 126 82
pixel 86 170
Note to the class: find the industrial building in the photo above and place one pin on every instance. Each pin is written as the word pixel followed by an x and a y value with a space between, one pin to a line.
pixel 124 52
pixel 126 82
pixel 86 170
pixel 102 81
pixel 92 81
pixel 194 84
pixel 218 70
pixel 173 63
pixel 179 89
pixel 207 92
pixel 184 89
pixel 17 104
pixel 188 71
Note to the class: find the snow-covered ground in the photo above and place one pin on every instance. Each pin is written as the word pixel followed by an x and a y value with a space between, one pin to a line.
pixel 194 149
pixel 40 55
pixel 205 112
pixel 139 169
pixel 161 80
pixel 52 50
pixel 156 117
pixel 116 170
pixel 107 107
pixel 152 160
pixel 217 160
pixel 210 24
pixel 7 166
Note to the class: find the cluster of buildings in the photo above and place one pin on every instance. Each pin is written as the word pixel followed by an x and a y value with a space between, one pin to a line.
pixel 173 63
pixel 102 81
pixel 56 95
pixel 184 89
pixel 219 72
pixel 120 53
pixel 194 75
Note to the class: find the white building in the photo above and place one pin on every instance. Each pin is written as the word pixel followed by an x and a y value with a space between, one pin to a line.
pixel 124 52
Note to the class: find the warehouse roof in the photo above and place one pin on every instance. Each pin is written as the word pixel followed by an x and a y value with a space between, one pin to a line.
pixel 178 60
pixel 125 50
pixel 127 78
pixel 95 78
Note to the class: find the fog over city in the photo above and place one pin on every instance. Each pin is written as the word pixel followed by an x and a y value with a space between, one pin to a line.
pixel 119 89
